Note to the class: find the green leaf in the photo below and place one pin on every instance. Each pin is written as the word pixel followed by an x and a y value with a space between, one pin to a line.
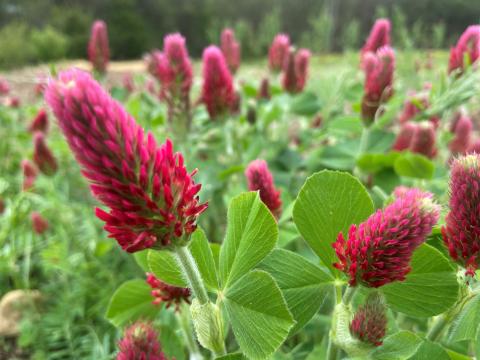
pixel 466 324
pixel 429 350
pixel 398 346
pixel 232 356
pixel 164 265
pixel 258 314
pixel 429 289
pixel 328 203
pixel 306 104
pixel 414 165
pixel 341 156
pixel 202 253
pixel 130 302
pixel 303 284
pixel 251 234
pixel 141 259
pixel 375 162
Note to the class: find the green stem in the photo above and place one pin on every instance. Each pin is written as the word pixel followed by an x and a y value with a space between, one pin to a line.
pixel 437 328
pixel 364 141
pixel 186 326
pixel 192 274
pixel 380 193
pixel 332 350
pixel 348 295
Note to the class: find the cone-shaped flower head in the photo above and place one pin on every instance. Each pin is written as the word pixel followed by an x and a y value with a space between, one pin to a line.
pixel 39 223
pixel 151 62
pixel 264 91
pixel 175 68
pixel 43 156
pixel 168 294
pixel 424 139
pixel 4 87
pixel 39 123
pixel 378 251
pixel 462 128
pixel 140 342
pixel 379 36
pixel 218 93
pixel 369 323
pixel 302 59
pixel 461 234
pixel 230 49
pixel 468 46
pixel 29 174
pixel 289 78
pixel 260 179
pixel 379 68
pixel 98 49
pixel 152 199
pixel 405 136
pixel 277 55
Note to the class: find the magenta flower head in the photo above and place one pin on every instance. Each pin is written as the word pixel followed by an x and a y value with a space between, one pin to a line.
pixel 39 224
pixel 289 78
pixel 29 174
pixel 462 129
pixel 379 68
pixel 43 156
pixel 260 179
pixel 151 62
pixel 369 323
pixel 39 123
pixel 277 55
pixel 218 93
pixel 302 59
pixel 378 251
pixel 379 36
pixel 461 233
pixel 405 136
pixel 152 199
pixel 230 49
pixel 467 48
pixel 4 87
pixel 424 139
pixel 264 90
pixel 168 294
pixel 177 68
pixel 140 342
pixel 98 49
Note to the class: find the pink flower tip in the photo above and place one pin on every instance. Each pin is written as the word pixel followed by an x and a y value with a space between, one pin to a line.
pixel 379 36
pixel 278 52
pixel 168 294
pixel 140 342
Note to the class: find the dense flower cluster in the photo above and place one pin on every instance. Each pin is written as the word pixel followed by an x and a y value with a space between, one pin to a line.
pixel 419 138
pixel 378 251
pixel 40 122
pixel 379 36
pixel 98 49
pixel 379 68
pixel 168 294
pixel 39 223
pixel 140 342
pixel 295 70
pixel 278 52
pixel 29 174
pixel 369 324
pixel 230 49
pixel 462 127
pixel 152 198
pixel 467 48
pixel 461 234
pixel 43 156
pixel 218 93
pixel 260 179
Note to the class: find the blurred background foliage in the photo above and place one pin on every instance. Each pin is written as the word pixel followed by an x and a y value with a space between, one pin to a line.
pixel 46 30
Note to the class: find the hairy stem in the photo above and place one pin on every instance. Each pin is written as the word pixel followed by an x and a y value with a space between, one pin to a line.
pixel 187 329
pixel 348 295
pixel 192 274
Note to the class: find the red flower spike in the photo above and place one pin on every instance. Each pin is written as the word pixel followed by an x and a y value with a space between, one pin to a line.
pixel 39 224
pixel 140 342
pixel 168 294
pixel 302 59
pixel 405 136
pixel 369 323
pixel 230 49
pixel 98 49
pixel 260 179
pixel 264 91
pixel 278 52
pixel 4 87
pixel 468 46
pixel 378 251
pixel 39 123
pixel 423 140
pixel 218 93
pixel 29 175
pixel 153 201
pixel 289 78
pixel 461 234
pixel 42 155
pixel 462 128
pixel 379 36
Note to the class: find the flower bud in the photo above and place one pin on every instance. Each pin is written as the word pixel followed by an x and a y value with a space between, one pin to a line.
pixel 264 91
pixel 369 323
pixel 379 36
pixel 39 123
pixel 230 49
pixel 43 156
pixel 462 128
pixel 39 223
pixel 168 294
pixel 98 50
pixel 467 48
pixel 302 59
pixel 29 174
pixel 278 52
pixel 423 140
pixel 140 342
pixel 405 136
